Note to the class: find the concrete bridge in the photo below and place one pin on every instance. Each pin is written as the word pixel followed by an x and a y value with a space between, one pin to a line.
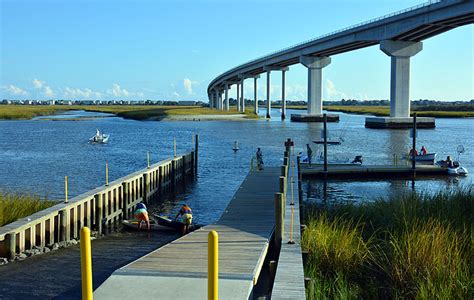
pixel 399 35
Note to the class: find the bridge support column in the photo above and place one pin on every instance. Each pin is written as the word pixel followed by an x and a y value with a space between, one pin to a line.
pixel 219 97
pixel 315 65
pixel 216 99
pixel 242 103
pixel 238 96
pixel 283 96
pixel 255 94
pixel 226 96
pixel 269 104
pixel 400 53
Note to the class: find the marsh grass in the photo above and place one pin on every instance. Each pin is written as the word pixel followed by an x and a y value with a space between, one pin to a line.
pixel 415 246
pixel 136 112
pixel 16 206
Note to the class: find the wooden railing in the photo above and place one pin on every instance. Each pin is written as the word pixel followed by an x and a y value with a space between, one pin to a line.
pixel 100 209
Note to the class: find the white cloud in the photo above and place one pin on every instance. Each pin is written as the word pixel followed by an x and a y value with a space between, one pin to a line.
pixel 14 90
pixel 188 85
pixel 297 92
pixel 38 84
pixel 332 93
pixel 175 94
pixel 117 91
pixel 48 92
pixel 81 93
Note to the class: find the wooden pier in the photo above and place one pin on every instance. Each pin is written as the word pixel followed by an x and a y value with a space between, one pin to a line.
pixel 369 171
pixel 179 269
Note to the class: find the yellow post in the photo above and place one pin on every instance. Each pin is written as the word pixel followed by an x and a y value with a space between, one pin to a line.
pixel 65 190
pixel 86 264
pixel 174 147
pixel 148 159
pixel 106 173
pixel 213 266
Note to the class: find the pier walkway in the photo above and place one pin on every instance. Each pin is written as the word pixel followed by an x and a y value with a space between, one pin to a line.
pixel 179 269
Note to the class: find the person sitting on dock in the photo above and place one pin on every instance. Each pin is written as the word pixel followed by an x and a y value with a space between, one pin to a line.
pixel 423 150
pixel 309 152
pixel 259 159
pixel 186 217
pixel 141 214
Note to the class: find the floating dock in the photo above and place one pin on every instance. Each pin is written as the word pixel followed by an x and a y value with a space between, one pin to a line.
pixel 179 269
pixel 368 171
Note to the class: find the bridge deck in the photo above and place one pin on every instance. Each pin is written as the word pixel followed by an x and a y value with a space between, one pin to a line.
pixel 179 269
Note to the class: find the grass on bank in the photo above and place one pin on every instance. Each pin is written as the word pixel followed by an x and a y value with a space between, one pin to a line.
pixel 16 206
pixel 136 112
pixel 416 246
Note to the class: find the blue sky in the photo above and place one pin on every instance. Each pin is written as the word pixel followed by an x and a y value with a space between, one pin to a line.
pixel 171 50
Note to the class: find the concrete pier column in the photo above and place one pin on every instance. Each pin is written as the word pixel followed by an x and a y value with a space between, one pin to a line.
pixel 219 97
pixel 315 81
pixel 226 96
pixel 216 99
pixel 255 94
pixel 269 104
pixel 283 96
pixel 400 53
pixel 242 103
pixel 238 96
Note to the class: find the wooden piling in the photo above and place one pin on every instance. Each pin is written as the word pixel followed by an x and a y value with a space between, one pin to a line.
pixel 196 147
pixel 64 232
pixel 10 242
pixel 279 220
pixel 98 212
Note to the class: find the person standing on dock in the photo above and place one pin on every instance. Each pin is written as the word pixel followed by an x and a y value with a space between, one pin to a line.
pixel 309 153
pixel 423 150
pixel 186 217
pixel 141 214
pixel 259 155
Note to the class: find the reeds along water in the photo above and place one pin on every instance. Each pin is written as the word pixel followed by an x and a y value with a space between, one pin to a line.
pixel 16 206
pixel 415 246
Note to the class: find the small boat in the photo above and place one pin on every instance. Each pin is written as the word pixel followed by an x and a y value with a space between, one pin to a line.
pixel 458 171
pixel 154 226
pixel 328 142
pixel 99 138
pixel 173 224
pixel 236 146
pixel 428 157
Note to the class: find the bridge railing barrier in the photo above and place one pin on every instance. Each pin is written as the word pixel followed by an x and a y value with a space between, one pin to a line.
pixel 100 209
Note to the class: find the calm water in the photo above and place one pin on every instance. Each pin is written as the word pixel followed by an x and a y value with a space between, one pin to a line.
pixel 35 155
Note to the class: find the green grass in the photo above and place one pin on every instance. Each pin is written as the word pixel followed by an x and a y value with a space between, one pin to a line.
pixel 136 112
pixel 415 246
pixel 16 206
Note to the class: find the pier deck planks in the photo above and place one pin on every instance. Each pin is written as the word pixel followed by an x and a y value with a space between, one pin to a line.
pixel 179 270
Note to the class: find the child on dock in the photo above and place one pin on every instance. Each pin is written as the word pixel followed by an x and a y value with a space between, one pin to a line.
pixel 141 214
pixel 186 217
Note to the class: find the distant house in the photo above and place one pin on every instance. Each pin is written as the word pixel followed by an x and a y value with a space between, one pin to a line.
pixel 186 103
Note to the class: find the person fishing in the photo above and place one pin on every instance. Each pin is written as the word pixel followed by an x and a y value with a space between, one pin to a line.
pixel 141 214
pixel 259 156
pixel 186 217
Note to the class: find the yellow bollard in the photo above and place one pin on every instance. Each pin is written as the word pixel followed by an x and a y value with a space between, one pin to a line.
pixel 106 174
pixel 148 159
pixel 174 147
pixel 213 266
pixel 65 190
pixel 86 264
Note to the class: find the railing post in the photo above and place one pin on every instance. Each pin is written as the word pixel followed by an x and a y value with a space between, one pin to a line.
pixel 125 200
pixel 66 190
pixel 300 179
pixel 86 264
pixel 279 220
pixel 146 186
pixel 183 171
pixel 173 173
pixel 64 225
pixel 196 146
pixel 213 266
pixel 98 212
pixel 10 242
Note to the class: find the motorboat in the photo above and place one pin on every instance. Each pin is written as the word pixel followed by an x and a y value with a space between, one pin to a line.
pixel 426 158
pixel 99 138
pixel 455 169
pixel 173 224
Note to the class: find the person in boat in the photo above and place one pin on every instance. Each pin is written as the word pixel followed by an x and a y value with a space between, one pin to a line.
pixel 449 162
pixel 259 155
pixel 413 151
pixel 309 153
pixel 423 150
pixel 186 217
pixel 141 214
